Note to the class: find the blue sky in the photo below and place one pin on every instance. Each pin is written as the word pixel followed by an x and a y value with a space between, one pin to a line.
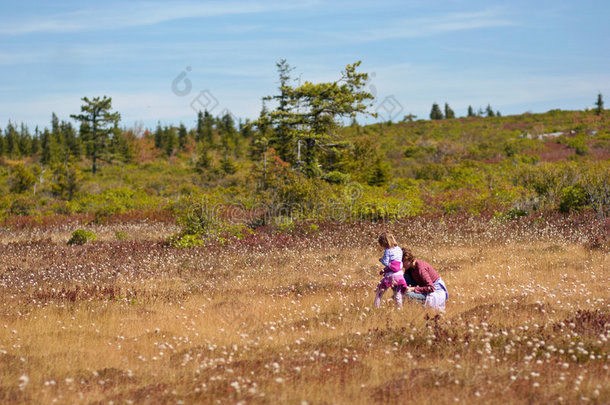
pixel 517 56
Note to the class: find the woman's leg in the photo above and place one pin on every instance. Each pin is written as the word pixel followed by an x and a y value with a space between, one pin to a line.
pixel 413 296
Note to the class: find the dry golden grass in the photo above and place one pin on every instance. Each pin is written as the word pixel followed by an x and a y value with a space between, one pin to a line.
pixel 139 322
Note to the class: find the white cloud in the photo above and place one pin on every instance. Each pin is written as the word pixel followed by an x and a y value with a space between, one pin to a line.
pixel 124 15
pixel 427 26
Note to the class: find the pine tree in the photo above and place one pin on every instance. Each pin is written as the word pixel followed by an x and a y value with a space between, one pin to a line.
pixel 436 113
pixel 158 136
pixel 51 149
pixel 489 111
pixel 72 143
pixel 308 115
pixel 599 104
pixel 205 128
pixel 449 113
pixel 182 137
pixel 22 179
pixel 228 135
pixel 25 141
pixel 283 140
pixel 2 147
pixel 170 140
pixel 66 180
pixel 471 112
pixel 96 115
pixel 12 141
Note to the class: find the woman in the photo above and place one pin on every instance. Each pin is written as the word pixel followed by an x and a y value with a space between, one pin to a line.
pixel 424 283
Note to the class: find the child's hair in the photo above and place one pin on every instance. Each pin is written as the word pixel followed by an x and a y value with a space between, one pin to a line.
pixel 407 256
pixel 387 240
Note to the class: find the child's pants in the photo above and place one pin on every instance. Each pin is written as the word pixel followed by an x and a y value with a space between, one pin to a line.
pixel 397 296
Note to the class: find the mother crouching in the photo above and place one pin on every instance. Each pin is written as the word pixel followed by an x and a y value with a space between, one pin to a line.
pixel 424 283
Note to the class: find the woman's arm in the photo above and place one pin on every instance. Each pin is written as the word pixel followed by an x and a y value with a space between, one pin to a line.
pixel 424 279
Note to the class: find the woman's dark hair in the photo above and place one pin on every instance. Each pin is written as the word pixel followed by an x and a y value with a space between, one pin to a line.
pixel 407 256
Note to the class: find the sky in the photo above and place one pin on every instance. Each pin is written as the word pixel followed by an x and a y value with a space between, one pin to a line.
pixel 163 61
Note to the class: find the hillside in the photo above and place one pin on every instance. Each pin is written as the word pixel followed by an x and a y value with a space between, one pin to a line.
pixel 511 165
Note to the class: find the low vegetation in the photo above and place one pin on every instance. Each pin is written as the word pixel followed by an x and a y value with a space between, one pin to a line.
pixel 287 316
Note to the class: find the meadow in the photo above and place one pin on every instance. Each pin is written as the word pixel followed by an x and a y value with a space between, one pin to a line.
pixel 286 315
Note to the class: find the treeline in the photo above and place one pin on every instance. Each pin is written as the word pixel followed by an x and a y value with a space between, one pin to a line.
pixel 437 114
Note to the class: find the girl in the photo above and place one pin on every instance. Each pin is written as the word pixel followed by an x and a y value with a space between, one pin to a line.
pixel 393 276
pixel 425 285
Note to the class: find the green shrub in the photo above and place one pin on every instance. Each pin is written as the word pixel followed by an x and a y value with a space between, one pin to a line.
pixel 336 177
pixel 572 198
pixel 81 236
pixel 185 241
pixel 579 144
pixel 22 206
pixel 114 200
pixel 22 179
pixel 121 235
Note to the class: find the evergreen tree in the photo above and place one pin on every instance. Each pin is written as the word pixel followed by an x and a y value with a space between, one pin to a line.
pixel 12 141
pixel 471 112
pixel 22 179
pixel 380 172
pixel 284 132
pixel 182 137
pixel 66 181
pixel 2 147
pixel 228 135
pixel 50 148
pixel 204 161
pixel 36 142
pixel 96 115
pixel 449 113
pixel 489 111
pixel 311 112
pixel 170 140
pixel 158 136
pixel 205 128
pixel 262 135
pixel 599 104
pixel 72 143
pixel 436 113
pixel 25 141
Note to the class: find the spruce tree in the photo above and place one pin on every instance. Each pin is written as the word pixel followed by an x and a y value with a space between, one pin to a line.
pixel 449 113
pixel 489 111
pixel 12 141
pixel 182 137
pixel 436 113
pixel 284 131
pixel 96 115
pixel 2 148
pixel 599 104
pixel 205 128
pixel 471 112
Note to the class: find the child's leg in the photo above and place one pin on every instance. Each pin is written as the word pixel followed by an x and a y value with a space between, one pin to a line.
pixel 380 291
pixel 398 297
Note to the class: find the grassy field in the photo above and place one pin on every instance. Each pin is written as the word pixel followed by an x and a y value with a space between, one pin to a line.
pixel 288 317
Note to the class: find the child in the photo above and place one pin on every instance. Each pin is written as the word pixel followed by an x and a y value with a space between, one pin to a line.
pixel 425 285
pixel 393 276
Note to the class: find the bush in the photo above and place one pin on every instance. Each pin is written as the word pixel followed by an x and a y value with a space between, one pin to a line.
pixel 81 236
pixel 22 179
pixel 22 206
pixel 336 177
pixel 572 199
pixel 185 241
pixel 121 235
